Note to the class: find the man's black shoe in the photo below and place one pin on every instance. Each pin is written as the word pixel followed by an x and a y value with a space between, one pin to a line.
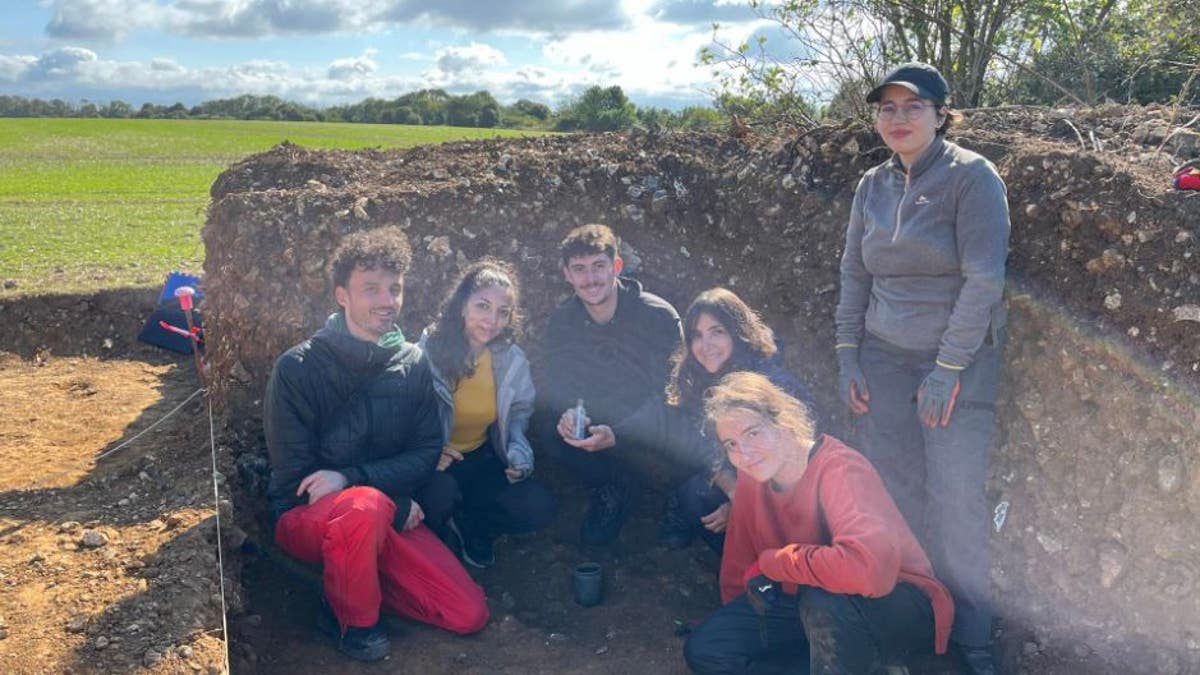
pixel 675 532
pixel 977 660
pixel 607 508
pixel 477 549
pixel 362 644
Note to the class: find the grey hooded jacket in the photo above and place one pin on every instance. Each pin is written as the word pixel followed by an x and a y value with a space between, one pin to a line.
pixel 514 404
pixel 923 266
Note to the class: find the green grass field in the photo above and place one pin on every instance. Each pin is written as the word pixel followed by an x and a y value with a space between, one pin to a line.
pixel 90 203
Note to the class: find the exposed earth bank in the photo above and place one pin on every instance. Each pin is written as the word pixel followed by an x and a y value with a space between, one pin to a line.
pixel 1096 470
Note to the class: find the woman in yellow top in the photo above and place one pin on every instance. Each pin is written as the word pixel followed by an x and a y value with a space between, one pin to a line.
pixel 485 397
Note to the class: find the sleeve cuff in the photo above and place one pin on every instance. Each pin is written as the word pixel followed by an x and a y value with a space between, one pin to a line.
pixel 354 475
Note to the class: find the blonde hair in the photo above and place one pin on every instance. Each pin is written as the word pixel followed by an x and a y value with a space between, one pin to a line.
pixel 755 393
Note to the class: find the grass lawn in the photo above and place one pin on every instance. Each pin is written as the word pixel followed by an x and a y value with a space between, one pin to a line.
pixel 89 203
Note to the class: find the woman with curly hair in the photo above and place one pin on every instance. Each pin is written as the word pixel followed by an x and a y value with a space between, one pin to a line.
pixel 485 397
pixel 722 335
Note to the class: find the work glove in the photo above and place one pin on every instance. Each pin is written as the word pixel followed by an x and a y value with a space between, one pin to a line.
pixel 762 592
pixel 937 395
pixel 851 381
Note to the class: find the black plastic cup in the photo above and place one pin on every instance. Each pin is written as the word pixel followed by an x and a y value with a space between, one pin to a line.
pixel 588 583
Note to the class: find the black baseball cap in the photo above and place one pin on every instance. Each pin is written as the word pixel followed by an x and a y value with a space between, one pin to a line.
pixel 921 79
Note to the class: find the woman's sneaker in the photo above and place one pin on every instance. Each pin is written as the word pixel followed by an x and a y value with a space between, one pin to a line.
pixel 675 532
pixel 362 644
pixel 478 550
pixel 475 548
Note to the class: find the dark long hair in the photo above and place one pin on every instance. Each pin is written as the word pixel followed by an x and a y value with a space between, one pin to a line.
pixel 753 341
pixel 447 343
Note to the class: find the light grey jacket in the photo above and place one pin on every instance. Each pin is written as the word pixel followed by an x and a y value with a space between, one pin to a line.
pixel 923 266
pixel 514 404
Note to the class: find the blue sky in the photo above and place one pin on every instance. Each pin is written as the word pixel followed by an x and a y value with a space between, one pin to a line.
pixel 323 52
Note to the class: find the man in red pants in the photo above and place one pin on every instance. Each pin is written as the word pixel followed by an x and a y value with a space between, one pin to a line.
pixel 354 437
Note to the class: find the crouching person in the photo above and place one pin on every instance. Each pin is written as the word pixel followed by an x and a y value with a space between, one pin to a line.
pixel 354 437
pixel 485 398
pixel 820 573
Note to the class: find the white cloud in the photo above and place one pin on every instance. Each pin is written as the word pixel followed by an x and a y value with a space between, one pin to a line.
pixel 13 68
pixel 353 67
pixel 650 58
pixel 59 64
pixel 108 21
pixel 473 57
pixel 703 12
pixel 522 16
pixel 102 21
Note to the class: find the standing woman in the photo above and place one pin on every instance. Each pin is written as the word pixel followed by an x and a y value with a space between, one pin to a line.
pixel 485 397
pixel 920 328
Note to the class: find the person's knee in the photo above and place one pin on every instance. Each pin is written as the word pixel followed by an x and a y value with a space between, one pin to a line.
pixel 470 615
pixel 701 654
pixel 695 498
pixel 823 604
pixel 533 508
pixel 823 613
pixel 367 505
pixel 439 497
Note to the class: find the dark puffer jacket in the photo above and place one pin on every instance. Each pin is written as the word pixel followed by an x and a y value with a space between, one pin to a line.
pixel 337 402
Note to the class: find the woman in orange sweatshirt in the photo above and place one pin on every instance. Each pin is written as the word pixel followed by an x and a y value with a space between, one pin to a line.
pixel 819 565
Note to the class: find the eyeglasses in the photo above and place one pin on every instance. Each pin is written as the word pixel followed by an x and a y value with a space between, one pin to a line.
pixel 902 112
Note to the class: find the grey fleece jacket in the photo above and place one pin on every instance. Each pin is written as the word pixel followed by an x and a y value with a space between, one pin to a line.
pixel 923 266
pixel 514 404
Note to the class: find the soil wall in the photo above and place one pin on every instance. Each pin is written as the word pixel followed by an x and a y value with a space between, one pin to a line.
pixel 1097 457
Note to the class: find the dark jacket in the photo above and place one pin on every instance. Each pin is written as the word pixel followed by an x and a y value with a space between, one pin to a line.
pixel 337 402
pixel 615 367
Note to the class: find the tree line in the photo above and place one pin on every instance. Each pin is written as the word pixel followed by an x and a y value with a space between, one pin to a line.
pixel 596 109
pixel 993 52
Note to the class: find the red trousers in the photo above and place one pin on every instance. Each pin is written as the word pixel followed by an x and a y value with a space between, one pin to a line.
pixel 369 565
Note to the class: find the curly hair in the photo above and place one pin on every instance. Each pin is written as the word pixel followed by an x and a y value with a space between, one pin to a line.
pixel 384 247
pixel 447 344
pixel 588 240
pixel 753 341
pixel 756 394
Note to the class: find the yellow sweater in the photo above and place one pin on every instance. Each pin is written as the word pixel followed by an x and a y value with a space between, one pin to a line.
pixel 474 406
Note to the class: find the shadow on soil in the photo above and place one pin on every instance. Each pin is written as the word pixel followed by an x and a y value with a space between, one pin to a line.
pixel 104 324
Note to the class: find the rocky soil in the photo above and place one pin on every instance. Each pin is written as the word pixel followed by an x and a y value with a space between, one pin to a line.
pixel 107 564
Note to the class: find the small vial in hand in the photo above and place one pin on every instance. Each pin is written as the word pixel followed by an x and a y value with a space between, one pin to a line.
pixel 580 415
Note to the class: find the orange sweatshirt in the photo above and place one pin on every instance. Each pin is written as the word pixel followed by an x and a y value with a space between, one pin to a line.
pixel 836 529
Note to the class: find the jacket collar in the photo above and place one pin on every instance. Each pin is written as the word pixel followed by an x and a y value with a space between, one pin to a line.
pixel 350 351
pixel 926 160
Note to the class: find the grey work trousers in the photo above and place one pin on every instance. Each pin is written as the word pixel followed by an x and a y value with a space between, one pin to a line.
pixel 937 476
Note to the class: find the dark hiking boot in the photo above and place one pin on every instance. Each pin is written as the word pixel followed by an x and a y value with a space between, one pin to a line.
pixel 362 644
pixel 477 547
pixel 608 507
pixel 675 532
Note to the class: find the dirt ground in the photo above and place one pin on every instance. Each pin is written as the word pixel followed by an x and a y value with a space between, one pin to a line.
pixel 1095 464
pixel 106 565
pixel 147 599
